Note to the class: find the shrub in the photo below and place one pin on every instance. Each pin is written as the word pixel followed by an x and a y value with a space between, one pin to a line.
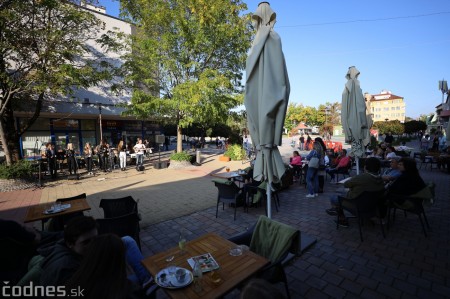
pixel 235 152
pixel 22 169
pixel 181 156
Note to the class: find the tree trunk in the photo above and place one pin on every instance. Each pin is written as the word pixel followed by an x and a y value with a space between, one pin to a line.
pixel 5 143
pixel 179 141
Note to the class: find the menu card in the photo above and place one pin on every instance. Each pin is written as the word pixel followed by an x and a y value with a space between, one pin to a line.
pixel 206 261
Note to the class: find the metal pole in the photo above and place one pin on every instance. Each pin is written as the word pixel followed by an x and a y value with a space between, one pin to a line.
pixel 100 120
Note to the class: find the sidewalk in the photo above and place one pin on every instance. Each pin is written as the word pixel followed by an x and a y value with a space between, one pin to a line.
pixel 339 265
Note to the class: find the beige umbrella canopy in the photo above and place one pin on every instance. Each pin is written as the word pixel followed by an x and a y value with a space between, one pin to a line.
pixel 355 118
pixel 266 97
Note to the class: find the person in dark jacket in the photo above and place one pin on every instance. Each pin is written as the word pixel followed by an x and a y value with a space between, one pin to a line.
pixel 65 258
pixel 408 183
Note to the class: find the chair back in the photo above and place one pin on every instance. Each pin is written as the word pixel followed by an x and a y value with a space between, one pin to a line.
pixel 227 191
pixel 274 240
pixel 83 195
pixel 117 207
pixel 125 225
pixel 367 203
pixel 57 223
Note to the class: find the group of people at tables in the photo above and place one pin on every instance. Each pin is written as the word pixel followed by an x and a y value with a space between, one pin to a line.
pixel 400 179
pixel 107 156
pixel 79 262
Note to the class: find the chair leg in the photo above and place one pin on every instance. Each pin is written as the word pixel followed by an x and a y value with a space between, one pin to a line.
pixel 217 208
pixel 423 226
pixel 426 220
pixel 235 208
pixel 284 278
pixel 382 228
pixel 360 229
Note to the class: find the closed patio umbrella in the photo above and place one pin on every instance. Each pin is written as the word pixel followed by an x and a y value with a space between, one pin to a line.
pixel 266 98
pixel 355 118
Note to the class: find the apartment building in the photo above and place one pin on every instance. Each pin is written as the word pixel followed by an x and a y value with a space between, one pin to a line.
pixel 386 106
pixel 89 114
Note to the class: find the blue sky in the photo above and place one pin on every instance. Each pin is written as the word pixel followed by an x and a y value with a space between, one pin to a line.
pixel 406 55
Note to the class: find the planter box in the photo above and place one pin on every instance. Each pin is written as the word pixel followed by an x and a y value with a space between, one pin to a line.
pixel 160 165
pixel 224 159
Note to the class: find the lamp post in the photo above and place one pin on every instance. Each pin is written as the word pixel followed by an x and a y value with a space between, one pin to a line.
pixel 100 120
pixel 443 88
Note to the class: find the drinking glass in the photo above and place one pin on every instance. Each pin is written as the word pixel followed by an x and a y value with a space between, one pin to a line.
pixel 227 169
pixel 182 242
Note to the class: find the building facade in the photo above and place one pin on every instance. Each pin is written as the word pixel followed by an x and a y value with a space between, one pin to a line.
pixel 88 115
pixel 386 106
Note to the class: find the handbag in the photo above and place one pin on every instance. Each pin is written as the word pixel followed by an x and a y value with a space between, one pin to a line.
pixel 314 162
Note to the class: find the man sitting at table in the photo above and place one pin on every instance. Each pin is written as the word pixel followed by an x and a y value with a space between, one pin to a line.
pixel 341 162
pixel 393 172
pixel 369 181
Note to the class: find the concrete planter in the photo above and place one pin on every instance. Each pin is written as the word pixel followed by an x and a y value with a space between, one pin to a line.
pixel 224 159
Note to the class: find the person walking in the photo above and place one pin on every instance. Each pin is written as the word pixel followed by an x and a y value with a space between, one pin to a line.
pixel 88 157
pixel 301 143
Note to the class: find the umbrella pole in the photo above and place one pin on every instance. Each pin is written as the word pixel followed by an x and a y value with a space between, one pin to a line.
pixel 357 165
pixel 269 199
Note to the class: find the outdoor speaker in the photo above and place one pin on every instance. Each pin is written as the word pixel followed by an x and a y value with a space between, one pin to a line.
pixel 159 139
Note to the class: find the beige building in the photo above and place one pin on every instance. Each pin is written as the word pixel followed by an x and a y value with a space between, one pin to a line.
pixel 386 106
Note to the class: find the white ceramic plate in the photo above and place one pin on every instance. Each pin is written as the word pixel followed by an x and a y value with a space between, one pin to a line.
pixel 165 280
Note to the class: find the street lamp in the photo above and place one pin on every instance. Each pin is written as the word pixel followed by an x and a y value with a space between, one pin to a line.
pixel 100 120
pixel 443 88
pixel 327 110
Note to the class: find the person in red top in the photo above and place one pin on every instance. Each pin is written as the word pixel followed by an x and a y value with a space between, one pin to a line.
pixel 342 162
pixel 296 163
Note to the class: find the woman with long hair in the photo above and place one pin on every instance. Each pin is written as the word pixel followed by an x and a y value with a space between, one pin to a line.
pixel 410 181
pixel 88 157
pixel 71 161
pixel 122 155
pixel 321 172
pixel 102 273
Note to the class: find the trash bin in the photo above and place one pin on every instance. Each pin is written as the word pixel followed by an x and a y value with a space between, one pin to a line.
pixel 198 157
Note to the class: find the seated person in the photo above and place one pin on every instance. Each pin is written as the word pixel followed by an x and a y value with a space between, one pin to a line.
pixel 296 164
pixel 102 273
pixel 390 152
pixel 342 162
pixel 61 262
pixel 408 183
pixel 393 172
pixel 19 245
pixel 370 181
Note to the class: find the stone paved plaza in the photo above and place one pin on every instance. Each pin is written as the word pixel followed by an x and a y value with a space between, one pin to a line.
pixel 405 264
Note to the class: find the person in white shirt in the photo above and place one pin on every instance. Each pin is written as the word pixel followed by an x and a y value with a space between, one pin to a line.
pixel 139 149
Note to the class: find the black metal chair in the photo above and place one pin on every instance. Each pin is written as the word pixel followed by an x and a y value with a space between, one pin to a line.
pixel 413 204
pixel 118 206
pixel 57 223
pixel 229 193
pixel 366 206
pixel 125 225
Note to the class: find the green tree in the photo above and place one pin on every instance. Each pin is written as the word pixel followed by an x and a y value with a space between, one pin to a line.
pixel 414 126
pixel 43 54
pixel 187 59
pixel 393 126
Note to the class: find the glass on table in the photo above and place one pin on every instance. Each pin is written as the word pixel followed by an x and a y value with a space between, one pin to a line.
pixel 227 169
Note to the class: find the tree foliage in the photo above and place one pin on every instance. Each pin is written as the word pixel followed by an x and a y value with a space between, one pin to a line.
pixel 187 59
pixel 414 126
pixel 393 126
pixel 45 52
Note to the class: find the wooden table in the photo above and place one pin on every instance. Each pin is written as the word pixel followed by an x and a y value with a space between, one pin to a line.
pixel 233 269
pixel 227 175
pixel 36 212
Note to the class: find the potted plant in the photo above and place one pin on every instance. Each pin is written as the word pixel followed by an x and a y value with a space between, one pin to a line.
pixel 180 160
